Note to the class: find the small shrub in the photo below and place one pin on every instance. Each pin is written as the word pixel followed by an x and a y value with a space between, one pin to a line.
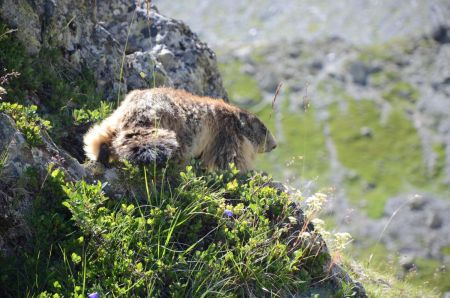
pixel 95 115
pixel 27 120
pixel 220 235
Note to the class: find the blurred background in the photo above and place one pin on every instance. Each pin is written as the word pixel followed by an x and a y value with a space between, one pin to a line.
pixel 363 113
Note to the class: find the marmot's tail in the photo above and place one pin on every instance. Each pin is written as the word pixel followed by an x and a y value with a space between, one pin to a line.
pixel 145 146
pixel 98 135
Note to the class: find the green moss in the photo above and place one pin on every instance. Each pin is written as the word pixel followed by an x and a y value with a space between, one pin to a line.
pixel 242 88
pixel 384 161
pixel 401 91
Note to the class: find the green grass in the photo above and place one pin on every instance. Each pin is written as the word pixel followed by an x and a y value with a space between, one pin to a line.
pixel 385 161
pixel 382 282
pixel 386 52
pixel 426 280
pixel 303 152
pixel 242 88
pixel 401 91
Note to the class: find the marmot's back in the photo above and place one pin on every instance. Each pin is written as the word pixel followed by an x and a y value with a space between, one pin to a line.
pixel 155 125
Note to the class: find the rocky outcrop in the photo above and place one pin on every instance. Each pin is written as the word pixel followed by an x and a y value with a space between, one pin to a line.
pixel 153 51
pixel 19 164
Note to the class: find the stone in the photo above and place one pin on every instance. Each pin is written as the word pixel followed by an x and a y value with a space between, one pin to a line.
pixel 105 34
pixel 19 158
pixel 434 221
pixel 359 72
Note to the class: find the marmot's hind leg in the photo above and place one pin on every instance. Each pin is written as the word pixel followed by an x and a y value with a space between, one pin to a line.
pixel 103 155
pixel 146 146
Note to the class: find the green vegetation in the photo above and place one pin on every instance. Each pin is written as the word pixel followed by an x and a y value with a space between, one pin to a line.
pixel 47 80
pixel 242 88
pixel 387 52
pixel 446 250
pixel 383 153
pixel 27 121
pixel 382 282
pixel 384 277
pixel 381 79
pixel 303 152
pixel 221 234
pixel 92 115
pixel 401 91
pixel 383 166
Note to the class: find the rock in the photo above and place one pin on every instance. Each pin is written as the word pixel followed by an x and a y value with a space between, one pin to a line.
pixel 441 34
pixel 366 132
pixel 417 203
pixel 20 161
pixel 434 221
pixel 95 36
pixel 407 262
pixel 360 72
pixel 427 225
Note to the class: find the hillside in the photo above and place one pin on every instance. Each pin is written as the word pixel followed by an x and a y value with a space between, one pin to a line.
pixel 363 110
pixel 70 229
pixel 353 122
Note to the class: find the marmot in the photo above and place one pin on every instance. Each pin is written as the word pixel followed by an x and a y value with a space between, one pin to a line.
pixel 156 125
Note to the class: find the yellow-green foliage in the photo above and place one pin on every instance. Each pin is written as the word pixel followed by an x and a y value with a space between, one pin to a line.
pixel 94 115
pixel 27 121
pixel 59 87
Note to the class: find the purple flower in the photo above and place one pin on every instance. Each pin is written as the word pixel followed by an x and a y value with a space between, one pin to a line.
pixel 94 295
pixel 228 213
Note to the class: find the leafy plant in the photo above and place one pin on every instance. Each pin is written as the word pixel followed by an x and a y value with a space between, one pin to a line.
pixel 94 115
pixel 27 120
pixel 217 234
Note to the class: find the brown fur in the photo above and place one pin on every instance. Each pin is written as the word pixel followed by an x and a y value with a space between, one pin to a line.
pixel 155 125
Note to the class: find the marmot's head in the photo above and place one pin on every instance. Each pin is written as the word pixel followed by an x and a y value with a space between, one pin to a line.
pixel 257 133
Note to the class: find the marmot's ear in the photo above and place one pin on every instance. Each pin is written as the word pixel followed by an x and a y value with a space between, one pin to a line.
pixel 243 119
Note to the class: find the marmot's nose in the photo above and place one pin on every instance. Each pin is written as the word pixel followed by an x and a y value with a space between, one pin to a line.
pixel 274 146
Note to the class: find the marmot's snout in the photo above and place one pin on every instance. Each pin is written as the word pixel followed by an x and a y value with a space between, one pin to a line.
pixel 270 144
